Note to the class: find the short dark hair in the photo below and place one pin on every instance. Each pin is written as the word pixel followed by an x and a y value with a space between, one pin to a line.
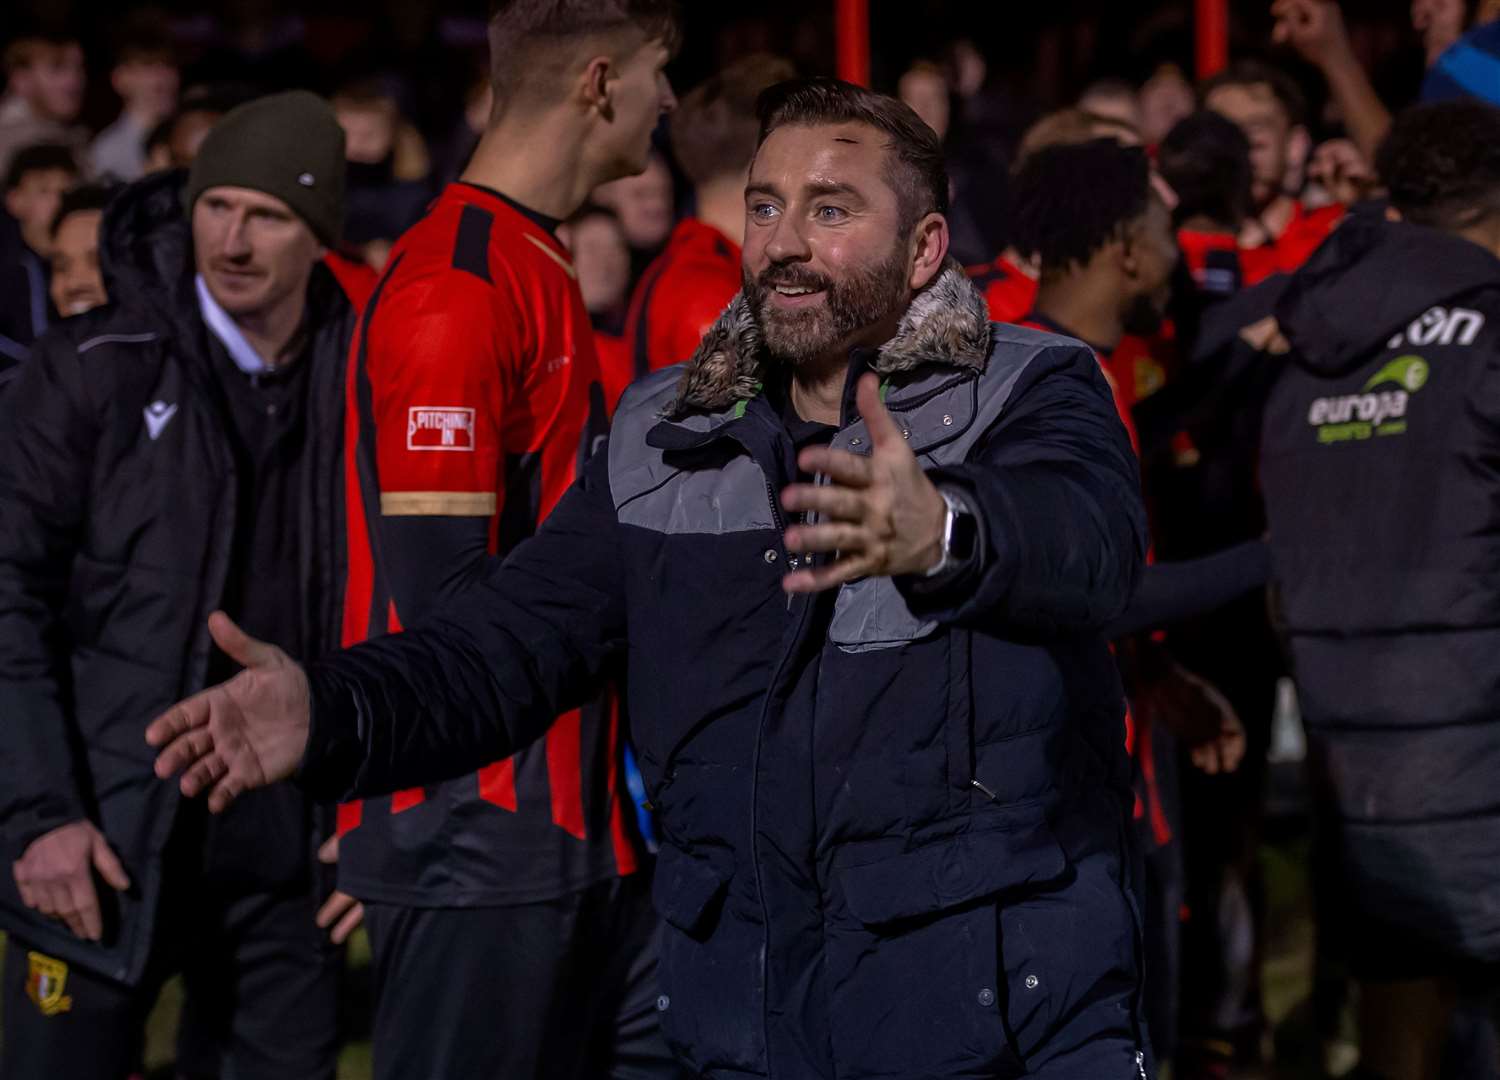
pixel 1070 199
pixel 1205 159
pixel 41 157
pixel 915 165
pixel 715 127
pixel 1441 164
pixel 83 197
pixel 1248 73
pixel 517 27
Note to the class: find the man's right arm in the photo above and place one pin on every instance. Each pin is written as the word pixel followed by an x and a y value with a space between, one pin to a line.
pixel 484 675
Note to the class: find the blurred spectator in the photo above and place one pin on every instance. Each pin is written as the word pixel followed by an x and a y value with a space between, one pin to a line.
pixel 45 80
pixel 174 143
pixel 1270 109
pixel 1471 66
pixel 1441 23
pixel 145 77
pixel 1383 532
pixel 1165 98
pixel 388 169
pixel 1114 99
pixel 218 372
pixel 1008 282
pixel 34 186
pixel 601 256
pixel 1205 159
pixel 687 287
pixel 924 88
pixel 77 284
pixel 644 205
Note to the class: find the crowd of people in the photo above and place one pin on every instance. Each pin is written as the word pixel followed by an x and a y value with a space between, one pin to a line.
pixel 781 580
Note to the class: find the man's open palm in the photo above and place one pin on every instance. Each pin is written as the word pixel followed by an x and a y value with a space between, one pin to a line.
pixel 243 734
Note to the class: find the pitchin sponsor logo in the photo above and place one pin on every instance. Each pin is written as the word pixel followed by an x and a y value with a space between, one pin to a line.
pixel 434 427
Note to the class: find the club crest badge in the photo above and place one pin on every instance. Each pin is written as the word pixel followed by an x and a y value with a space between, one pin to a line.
pixel 46 983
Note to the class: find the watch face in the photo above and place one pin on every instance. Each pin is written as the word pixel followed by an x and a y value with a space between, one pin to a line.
pixel 965 537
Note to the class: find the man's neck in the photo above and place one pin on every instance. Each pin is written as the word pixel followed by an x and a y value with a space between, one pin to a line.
pixel 1082 308
pixel 141 118
pixel 818 390
pixel 721 204
pixel 274 333
pixel 548 177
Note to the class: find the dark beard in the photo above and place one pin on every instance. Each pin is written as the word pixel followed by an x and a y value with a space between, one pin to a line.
pixel 849 305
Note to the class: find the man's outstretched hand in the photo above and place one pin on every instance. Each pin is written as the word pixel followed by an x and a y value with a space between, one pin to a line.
pixel 243 734
pixel 879 513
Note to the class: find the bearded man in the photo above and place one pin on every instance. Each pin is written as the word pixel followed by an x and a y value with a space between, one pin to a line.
pixel 855 557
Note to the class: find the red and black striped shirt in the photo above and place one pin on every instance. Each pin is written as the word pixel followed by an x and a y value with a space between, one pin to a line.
pixel 474 397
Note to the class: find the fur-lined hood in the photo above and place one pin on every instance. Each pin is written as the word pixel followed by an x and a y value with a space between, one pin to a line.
pixel 947 323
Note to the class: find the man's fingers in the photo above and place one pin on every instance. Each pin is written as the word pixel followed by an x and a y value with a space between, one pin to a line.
pixel 842 467
pixel 884 431
pixel 108 864
pixel 184 716
pixel 328 851
pixel 23 886
pixel 333 909
pixel 824 538
pixel 85 909
pixel 203 774
pixel 348 924
pixel 183 752
pixel 838 503
pixel 238 645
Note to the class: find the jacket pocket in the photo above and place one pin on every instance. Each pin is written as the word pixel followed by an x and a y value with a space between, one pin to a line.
pixel 915 982
pixel 709 980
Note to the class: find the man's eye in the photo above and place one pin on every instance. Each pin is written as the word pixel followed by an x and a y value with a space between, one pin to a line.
pixel 827 214
pixel 763 211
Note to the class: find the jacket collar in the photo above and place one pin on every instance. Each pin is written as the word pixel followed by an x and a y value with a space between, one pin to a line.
pixel 947 323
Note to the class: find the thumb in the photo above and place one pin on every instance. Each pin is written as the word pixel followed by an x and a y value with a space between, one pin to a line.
pixel 877 418
pixel 108 864
pixel 238 645
pixel 328 854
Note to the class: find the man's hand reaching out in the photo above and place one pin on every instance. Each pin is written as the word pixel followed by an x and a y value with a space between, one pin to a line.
pixel 243 734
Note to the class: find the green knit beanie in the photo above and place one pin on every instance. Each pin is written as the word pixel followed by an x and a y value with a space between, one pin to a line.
pixel 288 145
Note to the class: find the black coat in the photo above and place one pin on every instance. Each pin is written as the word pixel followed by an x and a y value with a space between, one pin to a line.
pixel 894 822
pixel 117 510
pixel 1381 467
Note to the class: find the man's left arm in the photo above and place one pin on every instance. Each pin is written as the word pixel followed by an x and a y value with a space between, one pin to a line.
pixel 1055 493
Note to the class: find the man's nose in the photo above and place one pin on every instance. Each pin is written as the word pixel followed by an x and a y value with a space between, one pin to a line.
pixel 786 242
pixel 237 237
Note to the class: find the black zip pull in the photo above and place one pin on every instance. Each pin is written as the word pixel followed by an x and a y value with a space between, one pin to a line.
pixel 988 794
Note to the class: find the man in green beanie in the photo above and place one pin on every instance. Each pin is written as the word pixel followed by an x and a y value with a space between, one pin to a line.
pixel 174 452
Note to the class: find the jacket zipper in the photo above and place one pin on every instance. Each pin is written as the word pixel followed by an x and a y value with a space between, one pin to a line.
pixel 760 732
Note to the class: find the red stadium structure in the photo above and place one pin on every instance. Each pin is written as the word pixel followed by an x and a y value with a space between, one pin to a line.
pixel 852 17
pixel 1211 37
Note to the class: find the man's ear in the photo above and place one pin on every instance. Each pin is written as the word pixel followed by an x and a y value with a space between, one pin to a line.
pixel 13 203
pixel 595 89
pixel 929 250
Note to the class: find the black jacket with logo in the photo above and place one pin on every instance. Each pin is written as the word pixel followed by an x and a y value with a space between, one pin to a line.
pixel 118 500
pixel 1381 471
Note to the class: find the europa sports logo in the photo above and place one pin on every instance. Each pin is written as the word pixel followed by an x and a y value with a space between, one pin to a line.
pixel 1378 410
